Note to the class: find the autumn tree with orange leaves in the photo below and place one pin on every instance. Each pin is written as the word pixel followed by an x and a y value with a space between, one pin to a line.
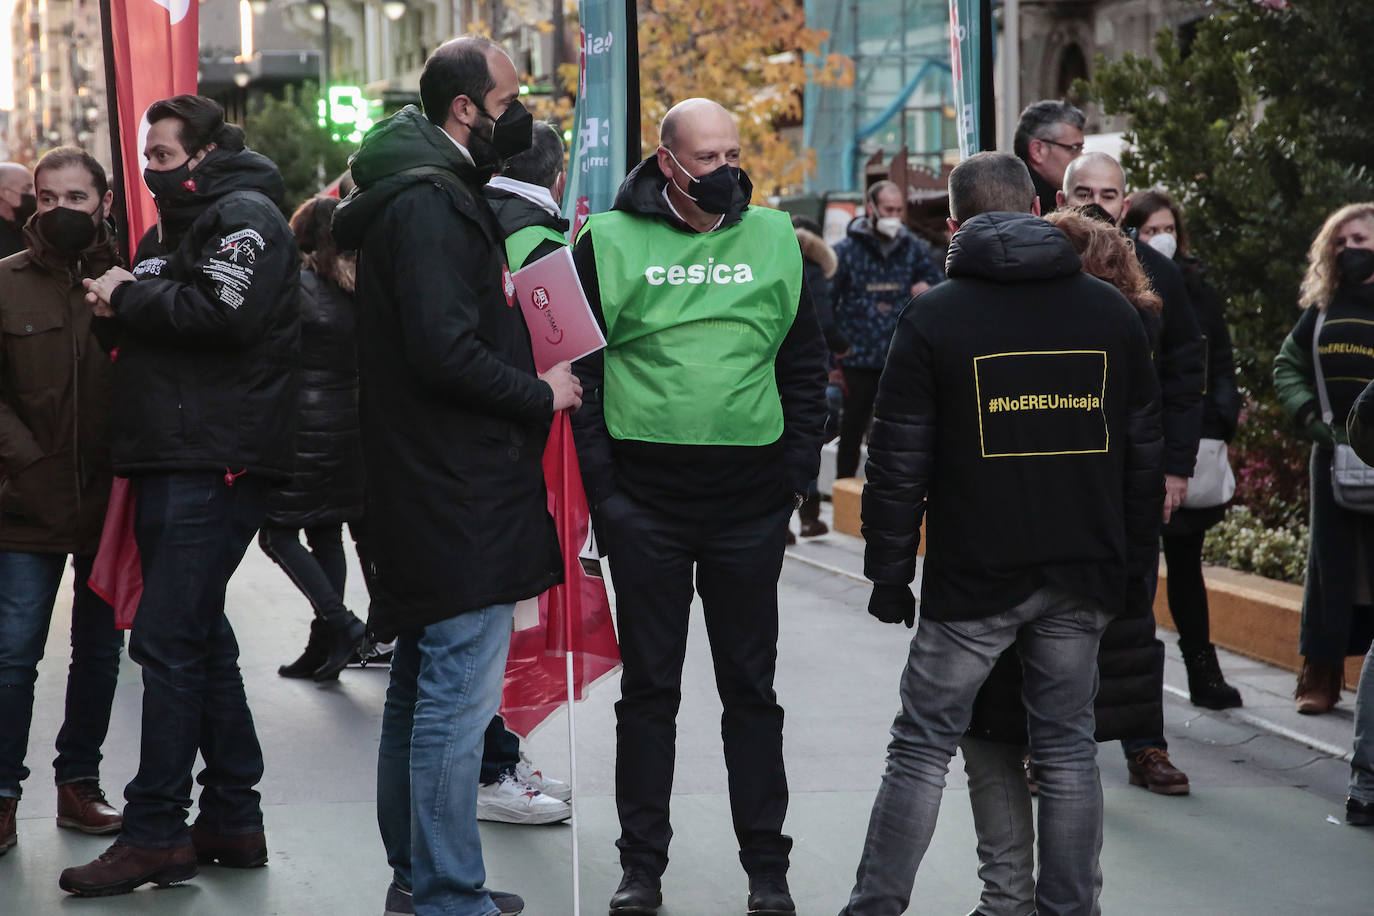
pixel 755 57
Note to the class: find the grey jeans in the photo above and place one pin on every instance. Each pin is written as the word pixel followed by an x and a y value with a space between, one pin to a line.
pixel 1362 763
pixel 1057 634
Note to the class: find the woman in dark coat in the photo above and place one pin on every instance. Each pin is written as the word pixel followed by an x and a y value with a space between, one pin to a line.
pixel 1338 290
pixel 1159 224
pixel 326 488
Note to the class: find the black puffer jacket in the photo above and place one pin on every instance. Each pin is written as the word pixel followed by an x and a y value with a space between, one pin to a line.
pixel 1019 413
pixel 454 419
pixel 209 334
pixel 1179 359
pixel 327 484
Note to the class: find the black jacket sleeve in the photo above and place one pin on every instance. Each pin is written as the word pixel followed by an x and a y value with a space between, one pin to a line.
pixel 1180 364
pixel 901 455
pixel 431 254
pixel 589 421
pixel 815 280
pixel 1143 484
pixel 1222 402
pixel 801 376
pixel 233 287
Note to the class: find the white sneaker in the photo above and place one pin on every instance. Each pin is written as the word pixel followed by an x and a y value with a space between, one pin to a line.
pixel 555 788
pixel 510 801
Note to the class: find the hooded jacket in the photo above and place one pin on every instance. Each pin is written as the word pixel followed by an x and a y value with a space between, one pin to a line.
pixel 454 419
pixel 719 482
pixel 1019 414
pixel 514 213
pixel 208 335
pixel 55 382
pixel 871 285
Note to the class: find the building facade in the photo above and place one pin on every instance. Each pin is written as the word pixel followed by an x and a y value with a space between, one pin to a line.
pixel 59 79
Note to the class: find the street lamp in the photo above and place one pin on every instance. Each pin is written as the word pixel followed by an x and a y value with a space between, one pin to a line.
pixel 393 9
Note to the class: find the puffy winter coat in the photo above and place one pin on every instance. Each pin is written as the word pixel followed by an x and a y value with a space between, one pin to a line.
pixel 326 483
pixel 871 285
pixel 454 419
pixel 209 334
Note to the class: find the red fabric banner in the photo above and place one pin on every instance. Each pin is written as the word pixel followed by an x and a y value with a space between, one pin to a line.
pixel 573 617
pixel 154 48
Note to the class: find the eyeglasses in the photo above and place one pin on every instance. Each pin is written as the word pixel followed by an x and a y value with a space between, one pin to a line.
pixel 1074 148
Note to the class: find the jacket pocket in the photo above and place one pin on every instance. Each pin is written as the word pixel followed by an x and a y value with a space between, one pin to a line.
pixel 37 352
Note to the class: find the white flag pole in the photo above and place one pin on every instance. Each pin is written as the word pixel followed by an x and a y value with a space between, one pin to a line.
pixel 572 777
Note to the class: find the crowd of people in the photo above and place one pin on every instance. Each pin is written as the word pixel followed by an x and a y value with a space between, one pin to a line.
pixel 1052 398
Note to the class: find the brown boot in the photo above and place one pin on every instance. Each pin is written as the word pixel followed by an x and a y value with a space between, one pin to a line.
pixel 122 868
pixel 1319 687
pixel 247 850
pixel 1151 769
pixel 8 834
pixel 82 806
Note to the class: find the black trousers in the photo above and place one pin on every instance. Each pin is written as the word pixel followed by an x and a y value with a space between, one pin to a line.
pixel 1187 589
pixel 858 410
pixel 320 572
pixel 654 558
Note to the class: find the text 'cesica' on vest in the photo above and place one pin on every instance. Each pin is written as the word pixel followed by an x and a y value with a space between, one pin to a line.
pixel 699 274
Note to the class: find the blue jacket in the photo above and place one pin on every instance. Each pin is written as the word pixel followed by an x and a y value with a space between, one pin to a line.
pixel 872 284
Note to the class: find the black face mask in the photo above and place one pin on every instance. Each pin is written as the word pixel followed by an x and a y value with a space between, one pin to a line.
pixel 715 192
pixel 68 231
pixel 1355 264
pixel 28 205
pixel 172 185
pixel 511 134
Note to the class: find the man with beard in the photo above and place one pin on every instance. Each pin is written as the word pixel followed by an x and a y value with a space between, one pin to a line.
pixel 54 485
pixel 699 437
pixel 208 327
pixel 454 421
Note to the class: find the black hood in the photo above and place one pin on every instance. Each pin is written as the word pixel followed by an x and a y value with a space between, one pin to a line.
pixel 392 157
pixel 642 193
pixel 1009 248
pixel 514 212
pixel 222 172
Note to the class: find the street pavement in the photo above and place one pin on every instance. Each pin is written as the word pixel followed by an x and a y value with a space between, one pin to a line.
pixel 1261 833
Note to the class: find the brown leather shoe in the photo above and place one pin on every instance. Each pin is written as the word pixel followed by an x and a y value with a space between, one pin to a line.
pixel 1151 769
pixel 246 850
pixel 1319 687
pixel 82 806
pixel 122 868
pixel 8 834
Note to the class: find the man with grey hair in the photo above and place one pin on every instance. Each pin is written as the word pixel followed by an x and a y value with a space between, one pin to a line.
pixel 1025 387
pixel 1048 137
pixel 17 204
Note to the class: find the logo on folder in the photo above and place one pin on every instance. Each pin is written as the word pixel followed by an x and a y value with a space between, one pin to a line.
pixel 1042 402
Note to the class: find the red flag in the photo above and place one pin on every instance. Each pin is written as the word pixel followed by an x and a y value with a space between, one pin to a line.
pixel 152 51
pixel 573 617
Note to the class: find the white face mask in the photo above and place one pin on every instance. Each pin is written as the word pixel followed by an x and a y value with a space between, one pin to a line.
pixel 889 226
pixel 1166 243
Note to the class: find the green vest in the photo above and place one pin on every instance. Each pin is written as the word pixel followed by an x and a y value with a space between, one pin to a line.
pixel 521 243
pixel 693 326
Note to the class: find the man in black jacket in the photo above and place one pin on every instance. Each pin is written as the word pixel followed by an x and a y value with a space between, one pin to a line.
pixel 1049 135
pixel 203 424
pixel 1176 342
pixel 700 435
pixel 454 421
pixel 1019 414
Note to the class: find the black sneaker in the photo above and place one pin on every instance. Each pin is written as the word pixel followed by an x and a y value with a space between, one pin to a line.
pixel 768 895
pixel 638 894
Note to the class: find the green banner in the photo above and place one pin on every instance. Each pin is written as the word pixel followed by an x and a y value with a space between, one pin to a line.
pixel 965 60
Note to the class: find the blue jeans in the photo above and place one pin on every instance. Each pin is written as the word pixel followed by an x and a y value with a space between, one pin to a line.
pixel 192 530
pixel 445 687
pixel 29 591
pixel 1362 763
pixel 1057 635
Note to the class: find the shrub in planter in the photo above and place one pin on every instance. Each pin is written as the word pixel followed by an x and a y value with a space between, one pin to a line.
pixel 1243 541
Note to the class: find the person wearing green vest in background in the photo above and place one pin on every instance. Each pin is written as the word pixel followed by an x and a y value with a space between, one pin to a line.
pixel 524 198
pixel 699 431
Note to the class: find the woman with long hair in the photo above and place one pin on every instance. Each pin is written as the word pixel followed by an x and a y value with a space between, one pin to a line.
pixel 1317 392
pixel 326 489
pixel 1158 222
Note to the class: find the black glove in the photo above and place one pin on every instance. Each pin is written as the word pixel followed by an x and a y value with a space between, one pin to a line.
pixel 893 604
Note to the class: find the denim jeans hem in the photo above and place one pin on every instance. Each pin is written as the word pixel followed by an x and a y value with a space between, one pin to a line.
pixel 69 779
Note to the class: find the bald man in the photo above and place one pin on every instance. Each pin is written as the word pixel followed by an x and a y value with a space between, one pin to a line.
pixel 17 204
pixel 699 433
